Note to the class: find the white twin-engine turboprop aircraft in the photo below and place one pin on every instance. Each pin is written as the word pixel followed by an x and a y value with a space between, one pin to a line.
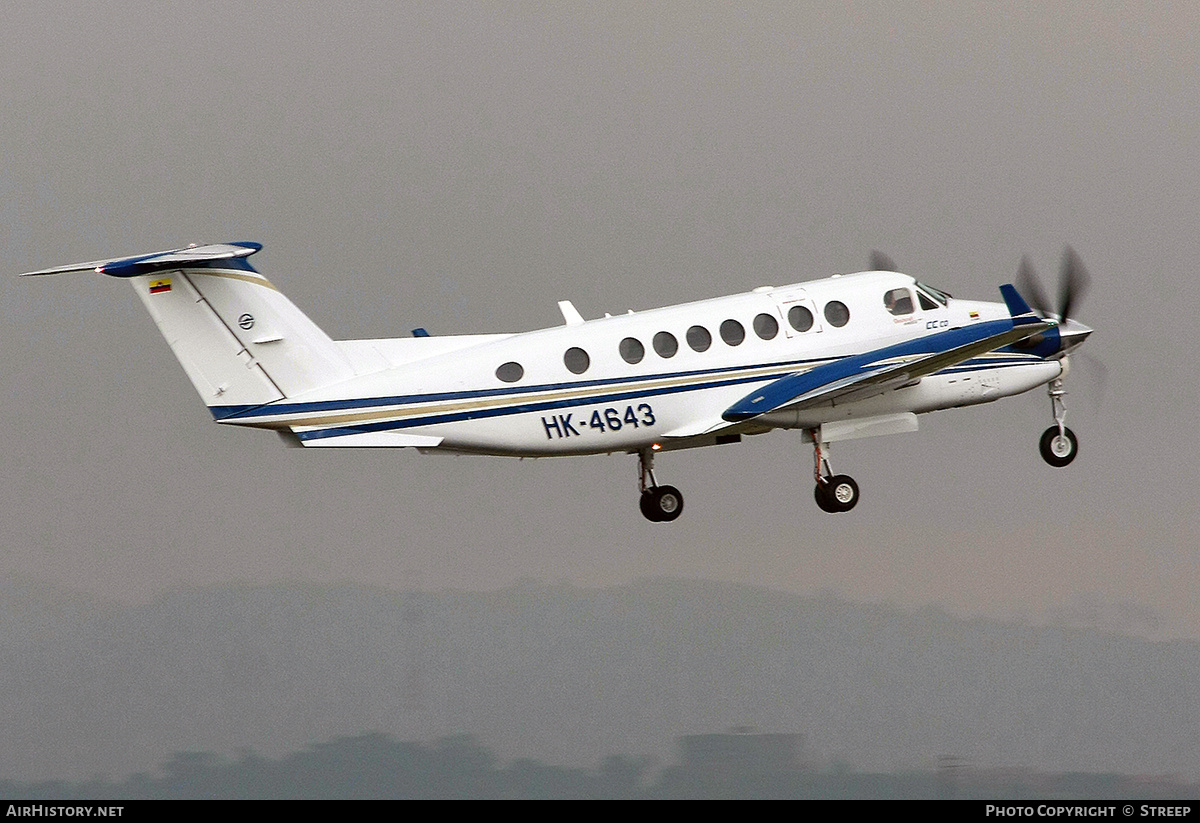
pixel 850 356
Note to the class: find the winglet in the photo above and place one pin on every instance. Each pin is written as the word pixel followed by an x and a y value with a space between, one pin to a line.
pixel 1017 307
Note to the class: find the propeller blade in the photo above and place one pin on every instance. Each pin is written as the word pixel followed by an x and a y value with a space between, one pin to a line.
pixel 1029 284
pixel 1073 282
pixel 881 262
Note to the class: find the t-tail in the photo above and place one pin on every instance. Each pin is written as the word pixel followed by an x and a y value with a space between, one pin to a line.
pixel 241 342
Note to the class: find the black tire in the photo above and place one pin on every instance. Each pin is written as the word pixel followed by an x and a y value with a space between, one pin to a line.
pixel 841 492
pixel 1058 451
pixel 646 504
pixel 819 494
pixel 666 503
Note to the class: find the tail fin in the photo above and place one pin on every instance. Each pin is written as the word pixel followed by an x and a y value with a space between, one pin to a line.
pixel 241 342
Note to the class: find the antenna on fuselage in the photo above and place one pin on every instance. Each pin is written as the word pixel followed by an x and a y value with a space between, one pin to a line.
pixel 570 314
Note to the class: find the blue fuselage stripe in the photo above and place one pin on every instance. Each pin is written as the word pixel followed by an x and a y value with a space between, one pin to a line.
pixel 521 408
pixel 632 393
pixel 274 409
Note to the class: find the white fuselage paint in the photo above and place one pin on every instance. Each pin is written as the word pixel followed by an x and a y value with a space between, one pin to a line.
pixel 422 391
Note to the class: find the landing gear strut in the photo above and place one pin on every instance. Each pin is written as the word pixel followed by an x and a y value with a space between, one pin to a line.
pixel 833 492
pixel 1058 445
pixel 659 504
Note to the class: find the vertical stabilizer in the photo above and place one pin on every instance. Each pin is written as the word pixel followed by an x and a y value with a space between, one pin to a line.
pixel 241 342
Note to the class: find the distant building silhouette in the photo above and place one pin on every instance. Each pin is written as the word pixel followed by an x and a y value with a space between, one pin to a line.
pixel 742 749
pixel 739 763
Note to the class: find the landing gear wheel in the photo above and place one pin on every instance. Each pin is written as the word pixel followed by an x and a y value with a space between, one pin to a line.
pixel 668 503
pixel 661 504
pixel 836 494
pixel 842 492
pixel 1058 450
pixel 646 504
pixel 820 495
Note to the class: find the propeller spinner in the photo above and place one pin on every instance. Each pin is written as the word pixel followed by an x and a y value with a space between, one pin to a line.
pixel 1073 283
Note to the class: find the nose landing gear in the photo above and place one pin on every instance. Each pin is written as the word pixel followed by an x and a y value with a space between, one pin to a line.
pixel 1058 445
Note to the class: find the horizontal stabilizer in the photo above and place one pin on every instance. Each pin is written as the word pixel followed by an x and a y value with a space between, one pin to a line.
pixel 227 255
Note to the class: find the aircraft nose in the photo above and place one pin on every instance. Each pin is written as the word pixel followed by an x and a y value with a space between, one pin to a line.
pixel 1071 333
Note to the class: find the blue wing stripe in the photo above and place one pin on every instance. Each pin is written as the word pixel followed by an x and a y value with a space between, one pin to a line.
pixel 860 369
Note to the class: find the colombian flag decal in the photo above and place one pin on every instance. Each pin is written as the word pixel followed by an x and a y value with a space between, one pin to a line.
pixel 160 286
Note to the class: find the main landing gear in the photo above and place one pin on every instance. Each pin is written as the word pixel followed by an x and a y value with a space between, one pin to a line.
pixel 833 492
pixel 659 504
pixel 1058 444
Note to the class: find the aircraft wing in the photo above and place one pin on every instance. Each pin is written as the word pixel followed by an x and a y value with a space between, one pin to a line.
pixel 875 372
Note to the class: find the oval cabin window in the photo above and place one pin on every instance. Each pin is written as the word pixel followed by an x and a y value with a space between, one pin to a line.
pixel 836 313
pixel 800 318
pixel 510 372
pixel 665 344
pixel 632 350
pixel 766 326
pixel 733 333
pixel 576 360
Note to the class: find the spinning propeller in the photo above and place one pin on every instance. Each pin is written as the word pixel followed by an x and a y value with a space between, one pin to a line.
pixel 1073 282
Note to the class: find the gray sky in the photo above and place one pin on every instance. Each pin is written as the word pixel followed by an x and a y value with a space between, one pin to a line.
pixel 463 166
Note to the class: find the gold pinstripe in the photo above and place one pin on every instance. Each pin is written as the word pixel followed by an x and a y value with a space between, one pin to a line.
pixel 257 280
pixel 378 415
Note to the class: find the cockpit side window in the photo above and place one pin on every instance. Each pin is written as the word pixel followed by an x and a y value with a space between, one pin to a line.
pixel 942 297
pixel 926 303
pixel 898 301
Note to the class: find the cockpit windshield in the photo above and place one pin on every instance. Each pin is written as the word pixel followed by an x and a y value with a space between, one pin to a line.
pixel 937 294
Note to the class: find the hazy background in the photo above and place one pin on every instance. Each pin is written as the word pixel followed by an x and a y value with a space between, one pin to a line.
pixel 462 166
pixel 566 675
